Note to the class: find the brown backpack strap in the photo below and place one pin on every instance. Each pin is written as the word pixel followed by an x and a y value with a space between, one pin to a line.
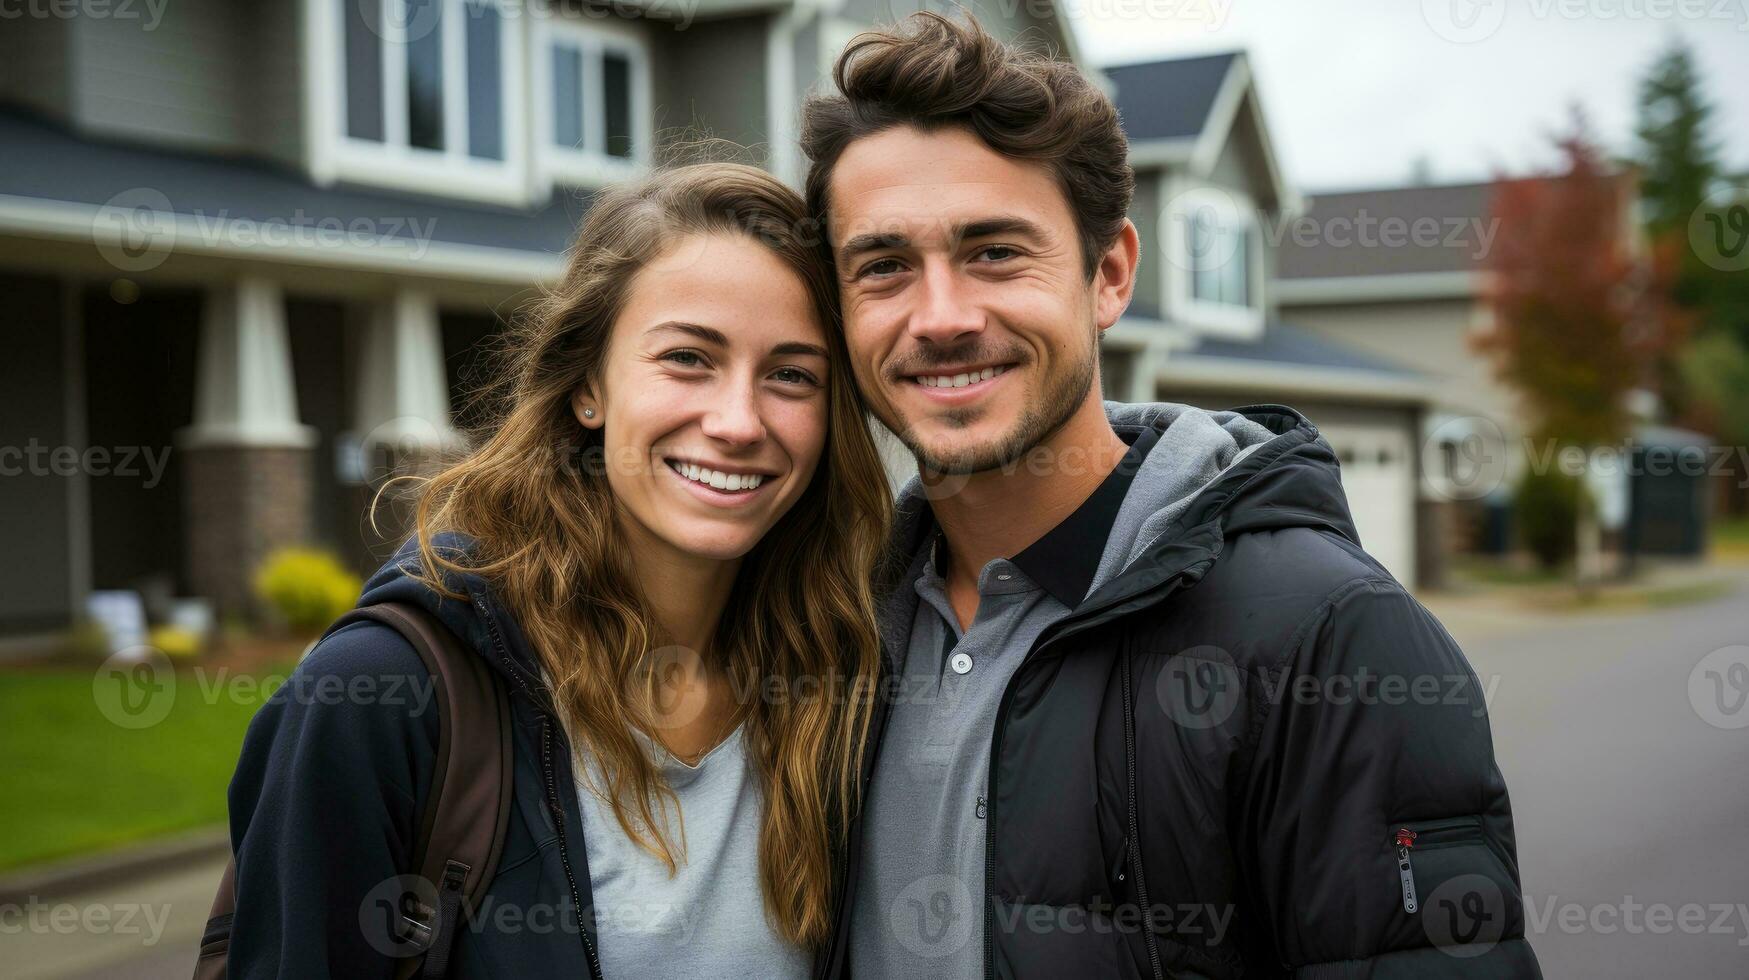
pixel 467 810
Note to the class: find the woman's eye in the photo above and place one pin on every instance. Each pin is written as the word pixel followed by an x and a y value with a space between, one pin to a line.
pixel 790 375
pixel 684 358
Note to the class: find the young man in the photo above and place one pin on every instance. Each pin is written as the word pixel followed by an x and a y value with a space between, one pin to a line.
pixel 1156 712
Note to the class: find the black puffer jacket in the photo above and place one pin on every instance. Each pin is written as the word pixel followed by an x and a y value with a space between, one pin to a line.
pixel 1234 733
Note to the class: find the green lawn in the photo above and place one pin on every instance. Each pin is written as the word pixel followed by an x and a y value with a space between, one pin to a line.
pixel 75 782
pixel 1731 537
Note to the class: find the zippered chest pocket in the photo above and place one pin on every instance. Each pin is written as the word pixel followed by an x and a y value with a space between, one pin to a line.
pixel 1451 883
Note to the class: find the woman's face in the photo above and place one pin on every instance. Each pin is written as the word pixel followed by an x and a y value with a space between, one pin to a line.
pixel 712 400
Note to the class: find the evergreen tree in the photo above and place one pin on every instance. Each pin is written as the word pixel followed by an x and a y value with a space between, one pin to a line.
pixel 1678 160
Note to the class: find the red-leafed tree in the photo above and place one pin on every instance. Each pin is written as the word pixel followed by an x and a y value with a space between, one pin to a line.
pixel 1575 320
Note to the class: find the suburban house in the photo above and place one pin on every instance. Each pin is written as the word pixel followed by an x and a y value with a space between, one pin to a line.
pixel 1401 273
pixel 252 250
pixel 1208 324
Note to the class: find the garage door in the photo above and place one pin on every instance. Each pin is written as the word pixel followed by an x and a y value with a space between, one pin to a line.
pixel 1378 476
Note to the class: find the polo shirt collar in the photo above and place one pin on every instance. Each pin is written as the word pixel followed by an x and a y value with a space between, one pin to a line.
pixel 1064 561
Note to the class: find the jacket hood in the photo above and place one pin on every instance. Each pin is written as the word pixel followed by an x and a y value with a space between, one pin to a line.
pixel 482 620
pixel 1210 476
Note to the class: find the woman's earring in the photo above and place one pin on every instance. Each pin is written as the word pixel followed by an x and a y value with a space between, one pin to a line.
pixel 589 413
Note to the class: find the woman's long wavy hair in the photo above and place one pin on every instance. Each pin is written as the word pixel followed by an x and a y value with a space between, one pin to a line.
pixel 797 638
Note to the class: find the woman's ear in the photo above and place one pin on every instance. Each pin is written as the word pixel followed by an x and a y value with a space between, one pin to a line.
pixel 586 408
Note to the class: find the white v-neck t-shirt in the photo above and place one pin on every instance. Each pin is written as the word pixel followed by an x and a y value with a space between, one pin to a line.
pixel 708 919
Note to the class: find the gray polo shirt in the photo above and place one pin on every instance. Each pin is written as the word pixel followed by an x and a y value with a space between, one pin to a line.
pixel 919 903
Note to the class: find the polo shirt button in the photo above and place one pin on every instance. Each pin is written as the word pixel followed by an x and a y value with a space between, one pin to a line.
pixel 961 663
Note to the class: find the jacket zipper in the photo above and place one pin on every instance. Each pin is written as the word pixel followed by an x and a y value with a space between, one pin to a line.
pixel 1052 633
pixel 551 791
pixel 1132 842
pixel 1405 870
pixel 558 810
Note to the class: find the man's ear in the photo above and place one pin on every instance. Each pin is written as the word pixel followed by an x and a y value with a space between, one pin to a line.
pixel 587 408
pixel 1114 279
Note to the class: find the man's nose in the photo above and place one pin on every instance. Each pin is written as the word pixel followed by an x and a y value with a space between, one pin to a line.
pixel 944 314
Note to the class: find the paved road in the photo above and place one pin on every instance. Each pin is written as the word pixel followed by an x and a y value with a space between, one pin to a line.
pixel 1626 799
pixel 1623 794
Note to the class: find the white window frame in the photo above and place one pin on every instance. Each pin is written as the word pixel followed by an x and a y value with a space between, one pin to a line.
pixel 451 172
pixel 1234 210
pixel 588 166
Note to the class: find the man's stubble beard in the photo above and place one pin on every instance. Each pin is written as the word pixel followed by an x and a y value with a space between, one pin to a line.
pixel 1061 399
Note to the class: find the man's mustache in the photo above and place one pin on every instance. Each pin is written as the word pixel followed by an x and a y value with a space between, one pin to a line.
pixel 920 360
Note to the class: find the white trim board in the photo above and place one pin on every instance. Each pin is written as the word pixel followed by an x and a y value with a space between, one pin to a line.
pixel 1347 384
pixel 82 223
pixel 1338 290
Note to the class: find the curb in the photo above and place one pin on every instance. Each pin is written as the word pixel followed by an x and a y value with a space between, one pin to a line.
pixel 113 868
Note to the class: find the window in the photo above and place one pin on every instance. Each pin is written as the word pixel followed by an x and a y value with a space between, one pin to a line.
pixel 597 79
pixel 424 95
pixel 1220 259
pixel 1214 249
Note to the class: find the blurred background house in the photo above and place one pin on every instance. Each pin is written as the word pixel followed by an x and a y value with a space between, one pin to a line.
pixel 271 266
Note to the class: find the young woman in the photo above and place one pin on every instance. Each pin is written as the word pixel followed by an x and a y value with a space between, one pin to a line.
pixel 664 545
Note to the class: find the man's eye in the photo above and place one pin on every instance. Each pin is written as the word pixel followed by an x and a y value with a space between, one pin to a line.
pixel 881 267
pixel 997 253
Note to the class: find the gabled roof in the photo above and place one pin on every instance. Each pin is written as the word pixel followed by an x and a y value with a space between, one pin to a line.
pixel 1182 112
pixel 1296 363
pixel 1169 100
pixel 1287 344
pixel 1460 212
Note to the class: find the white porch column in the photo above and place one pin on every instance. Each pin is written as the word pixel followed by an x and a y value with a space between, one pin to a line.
pixel 403 392
pixel 248 475
pixel 246 395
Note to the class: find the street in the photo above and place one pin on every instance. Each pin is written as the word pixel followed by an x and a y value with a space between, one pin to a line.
pixel 1624 797
pixel 1630 806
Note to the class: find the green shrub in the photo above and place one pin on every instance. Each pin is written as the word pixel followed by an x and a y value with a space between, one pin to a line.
pixel 1546 508
pixel 306 588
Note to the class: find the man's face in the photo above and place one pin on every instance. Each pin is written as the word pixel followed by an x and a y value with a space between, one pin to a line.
pixel 969 316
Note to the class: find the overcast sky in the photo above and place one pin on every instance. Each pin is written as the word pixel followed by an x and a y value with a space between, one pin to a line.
pixel 1356 90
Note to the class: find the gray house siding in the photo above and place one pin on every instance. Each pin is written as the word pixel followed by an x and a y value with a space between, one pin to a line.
pixel 36 65
pixel 187 81
pixel 1145 214
pixel 710 81
pixel 37 592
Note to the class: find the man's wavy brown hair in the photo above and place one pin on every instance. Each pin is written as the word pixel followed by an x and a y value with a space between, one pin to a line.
pixel 797 634
pixel 931 72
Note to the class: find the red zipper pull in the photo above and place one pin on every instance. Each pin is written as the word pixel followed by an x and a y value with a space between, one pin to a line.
pixel 1405 871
